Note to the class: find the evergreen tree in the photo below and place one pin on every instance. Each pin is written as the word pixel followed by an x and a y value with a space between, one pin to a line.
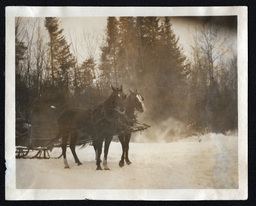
pixel 108 65
pixel 128 55
pixel 61 60
pixel 66 61
pixel 20 47
pixel 21 89
pixel 166 66
pixel 149 41
pixel 172 64
pixel 87 73
pixel 52 25
pixel 143 52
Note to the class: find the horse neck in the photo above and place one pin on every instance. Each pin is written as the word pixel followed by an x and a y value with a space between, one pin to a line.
pixel 129 106
pixel 108 103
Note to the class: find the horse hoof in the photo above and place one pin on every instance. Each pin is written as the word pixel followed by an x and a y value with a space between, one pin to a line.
pixel 106 168
pixel 99 168
pixel 128 162
pixel 67 167
pixel 121 164
pixel 79 163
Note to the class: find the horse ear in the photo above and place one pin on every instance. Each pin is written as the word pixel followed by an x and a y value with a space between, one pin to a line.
pixel 121 88
pixel 131 91
pixel 113 88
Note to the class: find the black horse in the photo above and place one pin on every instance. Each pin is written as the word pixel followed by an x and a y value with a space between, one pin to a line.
pixel 99 124
pixel 133 102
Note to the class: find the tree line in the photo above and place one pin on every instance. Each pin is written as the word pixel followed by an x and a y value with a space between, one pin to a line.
pixel 138 52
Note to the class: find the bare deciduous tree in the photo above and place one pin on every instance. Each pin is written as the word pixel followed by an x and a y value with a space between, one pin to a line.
pixel 40 54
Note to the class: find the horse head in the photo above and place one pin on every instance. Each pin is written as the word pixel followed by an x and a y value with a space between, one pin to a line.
pixel 137 101
pixel 116 99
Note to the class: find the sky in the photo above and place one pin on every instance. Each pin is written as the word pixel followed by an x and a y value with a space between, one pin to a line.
pixel 184 28
pixel 87 33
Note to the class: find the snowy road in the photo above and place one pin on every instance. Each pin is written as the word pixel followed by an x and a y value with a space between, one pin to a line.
pixel 186 164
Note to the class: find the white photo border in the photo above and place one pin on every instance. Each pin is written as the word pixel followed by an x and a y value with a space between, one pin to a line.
pixel 143 194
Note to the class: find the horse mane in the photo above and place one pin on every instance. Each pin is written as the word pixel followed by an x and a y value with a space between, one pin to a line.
pixel 129 104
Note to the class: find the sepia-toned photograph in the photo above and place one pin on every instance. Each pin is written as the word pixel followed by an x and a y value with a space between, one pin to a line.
pixel 138 101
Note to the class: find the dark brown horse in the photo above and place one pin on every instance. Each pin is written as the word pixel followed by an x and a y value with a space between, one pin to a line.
pixel 133 102
pixel 99 124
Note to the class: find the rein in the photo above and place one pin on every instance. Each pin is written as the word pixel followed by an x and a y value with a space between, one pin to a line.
pixel 125 121
pixel 130 123
pixel 128 128
pixel 102 109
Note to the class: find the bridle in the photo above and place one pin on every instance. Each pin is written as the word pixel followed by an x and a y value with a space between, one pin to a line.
pixel 119 111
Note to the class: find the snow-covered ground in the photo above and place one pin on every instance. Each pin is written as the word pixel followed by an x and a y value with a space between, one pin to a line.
pixel 209 161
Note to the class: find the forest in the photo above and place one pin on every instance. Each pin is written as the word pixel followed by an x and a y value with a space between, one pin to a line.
pixel 140 53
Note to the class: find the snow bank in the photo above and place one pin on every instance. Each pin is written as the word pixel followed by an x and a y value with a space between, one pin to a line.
pixel 208 161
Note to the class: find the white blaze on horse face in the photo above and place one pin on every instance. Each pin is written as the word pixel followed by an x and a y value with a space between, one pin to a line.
pixel 141 101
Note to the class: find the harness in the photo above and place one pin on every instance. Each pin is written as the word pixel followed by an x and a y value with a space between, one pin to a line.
pixel 124 123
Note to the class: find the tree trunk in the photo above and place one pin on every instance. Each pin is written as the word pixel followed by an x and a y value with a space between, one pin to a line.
pixel 52 60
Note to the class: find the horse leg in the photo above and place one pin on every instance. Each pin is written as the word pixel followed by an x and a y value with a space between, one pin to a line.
pixel 73 140
pixel 64 148
pixel 121 139
pixel 95 146
pixel 95 149
pixel 127 140
pixel 98 153
pixel 107 143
